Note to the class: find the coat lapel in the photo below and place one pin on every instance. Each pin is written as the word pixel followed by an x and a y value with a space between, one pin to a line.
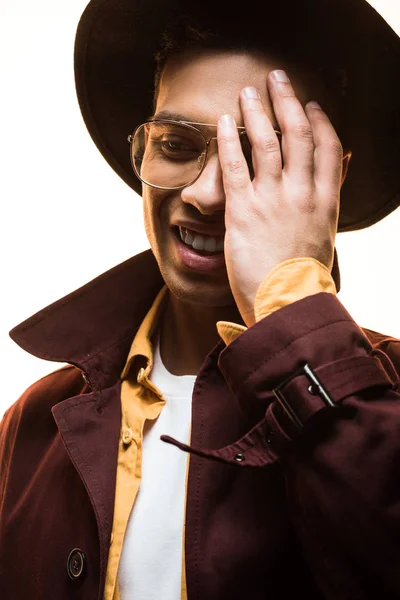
pixel 89 426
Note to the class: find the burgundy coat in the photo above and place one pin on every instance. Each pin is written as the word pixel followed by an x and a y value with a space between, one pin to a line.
pixel 288 495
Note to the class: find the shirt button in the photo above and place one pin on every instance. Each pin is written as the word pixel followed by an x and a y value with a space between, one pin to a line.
pixel 76 563
pixel 127 436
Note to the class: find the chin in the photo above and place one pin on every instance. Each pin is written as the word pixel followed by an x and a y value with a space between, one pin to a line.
pixel 197 291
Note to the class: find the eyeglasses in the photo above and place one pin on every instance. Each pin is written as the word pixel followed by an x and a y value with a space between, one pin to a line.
pixel 171 155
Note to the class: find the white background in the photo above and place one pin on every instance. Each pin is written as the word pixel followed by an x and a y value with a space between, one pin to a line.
pixel 66 217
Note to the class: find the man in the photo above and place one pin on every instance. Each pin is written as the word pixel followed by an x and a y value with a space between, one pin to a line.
pixel 292 486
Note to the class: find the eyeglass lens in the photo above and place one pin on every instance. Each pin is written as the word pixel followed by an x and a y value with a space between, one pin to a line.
pixel 171 155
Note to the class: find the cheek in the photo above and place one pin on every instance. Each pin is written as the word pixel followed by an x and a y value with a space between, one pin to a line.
pixel 153 205
pixel 148 221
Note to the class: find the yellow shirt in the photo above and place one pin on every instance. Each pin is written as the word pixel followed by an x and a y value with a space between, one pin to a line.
pixel 141 400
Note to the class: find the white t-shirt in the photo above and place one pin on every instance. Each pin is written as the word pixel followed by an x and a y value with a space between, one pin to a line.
pixel 151 561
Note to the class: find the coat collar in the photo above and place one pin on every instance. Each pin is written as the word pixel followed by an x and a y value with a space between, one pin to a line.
pixel 93 327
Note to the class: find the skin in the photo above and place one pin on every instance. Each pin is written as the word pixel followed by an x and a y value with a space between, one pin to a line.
pixel 281 214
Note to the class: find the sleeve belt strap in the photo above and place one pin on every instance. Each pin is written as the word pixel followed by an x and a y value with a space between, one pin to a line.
pixel 294 405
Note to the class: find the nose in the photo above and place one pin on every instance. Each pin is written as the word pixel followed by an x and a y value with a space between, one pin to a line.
pixel 207 192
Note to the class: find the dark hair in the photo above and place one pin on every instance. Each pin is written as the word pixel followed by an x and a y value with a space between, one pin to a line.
pixel 303 44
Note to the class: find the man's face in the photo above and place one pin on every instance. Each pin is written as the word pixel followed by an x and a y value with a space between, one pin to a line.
pixel 200 87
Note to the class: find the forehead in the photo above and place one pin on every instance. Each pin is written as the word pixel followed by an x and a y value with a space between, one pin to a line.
pixel 203 85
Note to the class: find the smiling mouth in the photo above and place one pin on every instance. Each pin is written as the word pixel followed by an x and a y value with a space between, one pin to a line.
pixel 206 245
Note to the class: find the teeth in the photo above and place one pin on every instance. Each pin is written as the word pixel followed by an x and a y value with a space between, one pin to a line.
pixel 210 245
pixel 201 242
pixel 189 238
pixel 198 242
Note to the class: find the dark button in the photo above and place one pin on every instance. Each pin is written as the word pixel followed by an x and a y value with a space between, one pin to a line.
pixel 270 435
pixel 313 390
pixel 239 457
pixel 76 563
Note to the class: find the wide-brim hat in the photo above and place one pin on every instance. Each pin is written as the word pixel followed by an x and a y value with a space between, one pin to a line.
pixel 116 41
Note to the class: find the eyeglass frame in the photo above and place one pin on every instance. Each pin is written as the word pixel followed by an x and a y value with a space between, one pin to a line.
pixel 190 125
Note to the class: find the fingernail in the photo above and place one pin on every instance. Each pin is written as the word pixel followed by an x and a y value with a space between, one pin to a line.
pixel 313 104
pixel 227 122
pixel 250 92
pixel 280 76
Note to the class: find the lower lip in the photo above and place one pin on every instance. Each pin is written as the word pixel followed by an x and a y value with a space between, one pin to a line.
pixel 199 262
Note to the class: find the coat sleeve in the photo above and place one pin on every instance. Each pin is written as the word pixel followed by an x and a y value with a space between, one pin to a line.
pixel 8 429
pixel 25 423
pixel 333 423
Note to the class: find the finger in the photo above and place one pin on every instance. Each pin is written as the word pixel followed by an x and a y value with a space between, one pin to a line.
pixel 328 154
pixel 235 172
pixel 297 134
pixel 266 151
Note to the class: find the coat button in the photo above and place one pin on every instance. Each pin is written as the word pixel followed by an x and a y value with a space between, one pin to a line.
pixel 239 457
pixel 76 563
pixel 313 390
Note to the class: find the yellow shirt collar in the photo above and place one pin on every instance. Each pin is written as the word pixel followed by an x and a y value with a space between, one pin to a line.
pixel 141 345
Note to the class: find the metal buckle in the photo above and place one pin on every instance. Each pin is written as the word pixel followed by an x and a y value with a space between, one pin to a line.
pixel 315 383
